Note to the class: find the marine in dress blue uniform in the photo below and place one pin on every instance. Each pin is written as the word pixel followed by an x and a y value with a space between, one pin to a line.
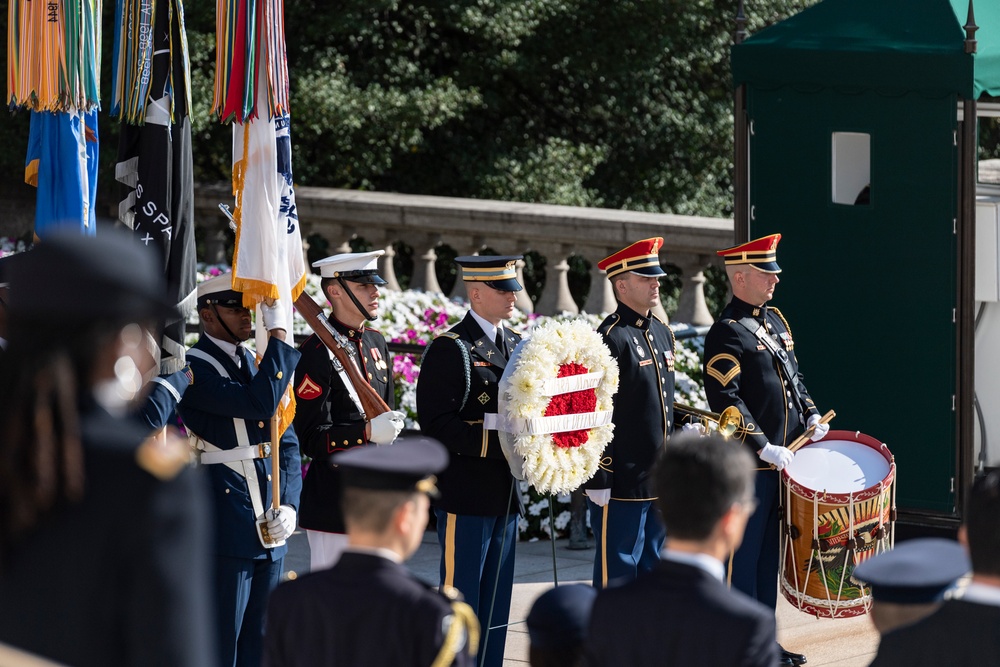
pixel 368 609
pixel 327 418
pixel 623 515
pixel 103 563
pixel 480 503
pixel 749 362
pixel 227 411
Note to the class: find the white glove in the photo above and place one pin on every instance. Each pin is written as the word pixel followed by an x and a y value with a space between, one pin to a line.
pixel 698 428
pixel 281 522
pixel 779 457
pixel 274 316
pixel 821 429
pixel 386 426
pixel 599 497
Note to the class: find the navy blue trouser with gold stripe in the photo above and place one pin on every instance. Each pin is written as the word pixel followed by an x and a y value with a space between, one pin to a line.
pixel 470 557
pixel 629 536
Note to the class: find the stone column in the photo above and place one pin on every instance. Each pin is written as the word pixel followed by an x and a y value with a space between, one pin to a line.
pixel 691 306
pixel 556 297
pixel 424 275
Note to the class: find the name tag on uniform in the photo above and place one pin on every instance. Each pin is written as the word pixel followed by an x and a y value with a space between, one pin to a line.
pixel 645 362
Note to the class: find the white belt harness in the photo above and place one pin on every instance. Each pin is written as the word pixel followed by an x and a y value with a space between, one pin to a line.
pixel 241 458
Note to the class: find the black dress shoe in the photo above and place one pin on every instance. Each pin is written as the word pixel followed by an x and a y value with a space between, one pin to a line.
pixel 789 658
pixel 785 662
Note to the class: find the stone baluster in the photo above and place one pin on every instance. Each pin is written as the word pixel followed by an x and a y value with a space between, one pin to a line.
pixel 691 306
pixel 458 290
pixel 523 301
pixel 556 297
pixel 601 297
pixel 424 273
pixel 387 270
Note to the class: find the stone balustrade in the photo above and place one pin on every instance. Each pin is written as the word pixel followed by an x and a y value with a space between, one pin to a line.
pixel 469 225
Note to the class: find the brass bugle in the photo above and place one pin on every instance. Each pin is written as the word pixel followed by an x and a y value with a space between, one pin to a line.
pixel 724 423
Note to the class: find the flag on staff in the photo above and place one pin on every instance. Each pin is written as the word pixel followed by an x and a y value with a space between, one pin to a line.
pixel 62 164
pixel 251 88
pixel 151 94
pixel 53 66
pixel 53 55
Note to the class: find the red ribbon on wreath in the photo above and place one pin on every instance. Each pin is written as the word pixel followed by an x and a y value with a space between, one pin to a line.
pixel 574 402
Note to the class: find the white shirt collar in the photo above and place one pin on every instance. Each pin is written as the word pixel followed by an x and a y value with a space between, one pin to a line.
pixel 701 561
pixel 228 348
pixel 488 328
pixel 388 554
pixel 982 594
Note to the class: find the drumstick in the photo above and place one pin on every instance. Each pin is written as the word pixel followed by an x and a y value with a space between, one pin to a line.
pixel 804 438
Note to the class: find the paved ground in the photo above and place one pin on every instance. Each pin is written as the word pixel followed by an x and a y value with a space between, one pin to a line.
pixel 827 643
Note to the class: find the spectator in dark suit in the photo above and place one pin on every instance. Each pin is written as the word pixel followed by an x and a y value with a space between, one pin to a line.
pixel 682 613
pixel 962 631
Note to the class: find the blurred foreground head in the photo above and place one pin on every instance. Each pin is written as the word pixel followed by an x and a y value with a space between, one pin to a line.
pixel 80 311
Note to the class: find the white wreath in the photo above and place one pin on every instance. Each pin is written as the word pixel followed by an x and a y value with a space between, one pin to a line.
pixel 529 382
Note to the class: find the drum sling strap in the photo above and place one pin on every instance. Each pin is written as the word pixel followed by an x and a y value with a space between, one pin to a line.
pixel 784 362
pixel 244 467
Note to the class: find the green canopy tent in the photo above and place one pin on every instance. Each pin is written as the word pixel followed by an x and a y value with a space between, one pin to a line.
pixel 850 143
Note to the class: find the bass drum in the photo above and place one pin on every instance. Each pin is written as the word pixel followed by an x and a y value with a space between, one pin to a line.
pixel 839 505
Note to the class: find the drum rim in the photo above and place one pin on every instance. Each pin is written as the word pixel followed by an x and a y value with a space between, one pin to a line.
pixel 868 492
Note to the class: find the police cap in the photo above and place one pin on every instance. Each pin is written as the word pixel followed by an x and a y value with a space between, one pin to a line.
pixel 915 571
pixel 408 465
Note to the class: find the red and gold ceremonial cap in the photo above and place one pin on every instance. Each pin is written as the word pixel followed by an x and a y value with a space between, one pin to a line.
pixel 641 257
pixel 761 254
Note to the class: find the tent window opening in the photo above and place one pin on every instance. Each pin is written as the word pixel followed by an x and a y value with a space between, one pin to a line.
pixel 989 145
pixel 852 168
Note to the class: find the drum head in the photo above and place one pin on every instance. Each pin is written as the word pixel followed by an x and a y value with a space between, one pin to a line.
pixel 838 466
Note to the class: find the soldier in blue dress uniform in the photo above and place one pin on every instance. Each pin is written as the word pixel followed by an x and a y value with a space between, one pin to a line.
pixel 623 514
pixel 328 416
pixel 480 503
pixel 227 411
pixel 750 363
pixel 368 609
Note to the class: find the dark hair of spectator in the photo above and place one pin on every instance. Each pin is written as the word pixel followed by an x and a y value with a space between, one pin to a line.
pixel 698 479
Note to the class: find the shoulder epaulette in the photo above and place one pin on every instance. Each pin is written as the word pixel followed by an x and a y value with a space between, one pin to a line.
pixel 461 634
pixel 447 334
pixel 163 456
pixel 782 318
pixel 608 324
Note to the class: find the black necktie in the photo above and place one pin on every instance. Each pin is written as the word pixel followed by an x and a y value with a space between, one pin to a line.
pixel 498 341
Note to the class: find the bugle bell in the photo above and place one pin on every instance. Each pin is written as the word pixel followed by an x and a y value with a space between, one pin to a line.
pixel 725 423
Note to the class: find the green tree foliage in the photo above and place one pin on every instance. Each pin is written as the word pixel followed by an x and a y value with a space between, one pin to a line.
pixel 624 104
